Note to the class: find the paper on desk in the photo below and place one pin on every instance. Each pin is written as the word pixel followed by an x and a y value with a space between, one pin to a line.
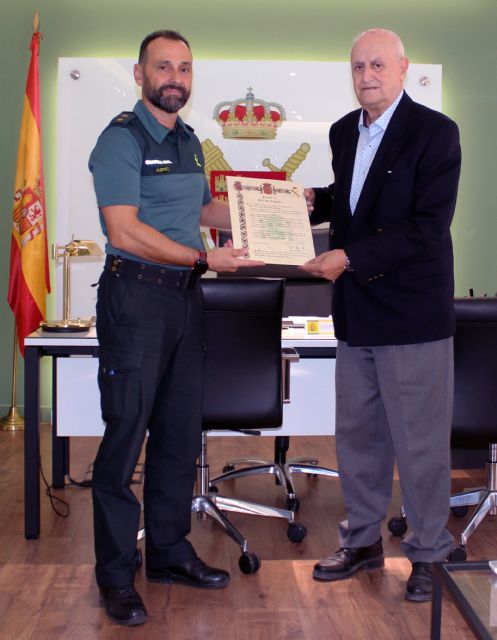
pixel 303 319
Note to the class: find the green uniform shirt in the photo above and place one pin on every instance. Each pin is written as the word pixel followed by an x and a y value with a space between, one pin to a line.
pixel 165 180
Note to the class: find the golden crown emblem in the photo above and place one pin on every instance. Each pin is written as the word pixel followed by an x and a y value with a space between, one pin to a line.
pixel 249 117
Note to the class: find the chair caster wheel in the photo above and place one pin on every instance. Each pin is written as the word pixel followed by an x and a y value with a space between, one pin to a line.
pixel 459 512
pixel 228 467
pixel 249 563
pixel 138 559
pixel 213 488
pixel 397 526
pixel 458 554
pixel 296 532
pixel 292 504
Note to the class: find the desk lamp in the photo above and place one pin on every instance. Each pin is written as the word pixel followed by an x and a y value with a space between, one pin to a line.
pixel 75 249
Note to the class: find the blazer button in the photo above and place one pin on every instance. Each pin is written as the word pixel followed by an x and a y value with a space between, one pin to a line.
pixel 379 230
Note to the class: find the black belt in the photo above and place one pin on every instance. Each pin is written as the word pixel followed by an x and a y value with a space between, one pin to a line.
pixel 150 273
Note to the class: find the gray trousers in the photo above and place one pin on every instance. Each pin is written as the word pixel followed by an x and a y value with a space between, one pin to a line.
pixel 394 404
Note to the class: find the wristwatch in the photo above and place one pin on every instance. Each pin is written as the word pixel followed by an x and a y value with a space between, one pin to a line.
pixel 347 266
pixel 200 265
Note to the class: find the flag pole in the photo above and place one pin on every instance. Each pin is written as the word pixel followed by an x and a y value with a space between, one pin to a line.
pixel 29 280
pixel 28 286
pixel 13 421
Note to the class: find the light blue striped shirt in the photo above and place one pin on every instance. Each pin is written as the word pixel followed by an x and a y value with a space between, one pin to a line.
pixel 367 146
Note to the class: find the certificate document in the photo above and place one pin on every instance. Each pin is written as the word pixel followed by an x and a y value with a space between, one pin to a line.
pixel 269 218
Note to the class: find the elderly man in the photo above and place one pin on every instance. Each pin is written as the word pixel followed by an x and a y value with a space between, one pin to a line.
pixel 396 169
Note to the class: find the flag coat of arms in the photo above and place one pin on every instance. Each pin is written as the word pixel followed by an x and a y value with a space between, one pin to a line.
pixel 29 280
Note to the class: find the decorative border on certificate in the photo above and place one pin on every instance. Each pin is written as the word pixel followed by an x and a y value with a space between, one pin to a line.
pixel 270 220
pixel 219 188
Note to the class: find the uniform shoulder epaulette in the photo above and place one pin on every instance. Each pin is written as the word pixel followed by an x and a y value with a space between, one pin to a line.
pixel 188 127
pixel 123 119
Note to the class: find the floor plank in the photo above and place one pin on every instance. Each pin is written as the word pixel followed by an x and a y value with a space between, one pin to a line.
pixel 47 588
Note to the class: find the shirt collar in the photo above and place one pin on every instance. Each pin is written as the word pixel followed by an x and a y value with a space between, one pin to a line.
pixel 382 122
pixel 152 125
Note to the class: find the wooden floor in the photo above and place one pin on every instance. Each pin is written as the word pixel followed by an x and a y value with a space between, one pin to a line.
pixel 47 587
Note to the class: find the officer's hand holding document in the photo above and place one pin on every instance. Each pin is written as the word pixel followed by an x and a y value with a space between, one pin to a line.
pixel 269 218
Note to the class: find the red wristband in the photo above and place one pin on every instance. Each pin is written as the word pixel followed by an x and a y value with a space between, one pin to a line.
pixel 202 257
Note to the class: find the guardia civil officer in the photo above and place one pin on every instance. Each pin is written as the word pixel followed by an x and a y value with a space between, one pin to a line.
pixel 148 172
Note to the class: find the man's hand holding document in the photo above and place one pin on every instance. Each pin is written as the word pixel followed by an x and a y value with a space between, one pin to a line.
pixel 269 218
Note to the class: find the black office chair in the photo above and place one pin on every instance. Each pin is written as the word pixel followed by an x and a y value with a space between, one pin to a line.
pixel 474 422
pixel 243 388
pixel 305 295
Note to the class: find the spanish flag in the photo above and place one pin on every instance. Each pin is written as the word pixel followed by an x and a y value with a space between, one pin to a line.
pixel 29 280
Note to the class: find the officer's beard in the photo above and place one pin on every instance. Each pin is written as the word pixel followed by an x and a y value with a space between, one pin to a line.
pixel 168 103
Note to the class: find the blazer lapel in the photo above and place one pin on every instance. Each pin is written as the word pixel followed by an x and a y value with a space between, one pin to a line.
pixel 348 165
pixel 387 152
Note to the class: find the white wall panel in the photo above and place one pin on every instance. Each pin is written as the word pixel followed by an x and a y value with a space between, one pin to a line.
pixel 91 91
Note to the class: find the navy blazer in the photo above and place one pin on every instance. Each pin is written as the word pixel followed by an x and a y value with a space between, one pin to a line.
pixel 398 240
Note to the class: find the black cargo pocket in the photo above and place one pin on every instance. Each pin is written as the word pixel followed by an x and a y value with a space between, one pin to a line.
pixel 119 382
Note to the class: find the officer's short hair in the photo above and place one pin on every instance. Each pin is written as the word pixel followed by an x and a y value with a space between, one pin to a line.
pixel 163 33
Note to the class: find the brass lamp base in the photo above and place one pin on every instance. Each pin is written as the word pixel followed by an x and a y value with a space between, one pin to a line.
pixel 66 326
pixel 13 421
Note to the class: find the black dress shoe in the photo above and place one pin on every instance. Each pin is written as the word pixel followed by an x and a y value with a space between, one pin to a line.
pixel 346 561
pixel 123 605
pixel 194 573
pixel 420 585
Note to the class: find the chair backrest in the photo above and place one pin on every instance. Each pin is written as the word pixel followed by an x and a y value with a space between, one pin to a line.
pixel 474 423
pixel 305 295
pixel 243 366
